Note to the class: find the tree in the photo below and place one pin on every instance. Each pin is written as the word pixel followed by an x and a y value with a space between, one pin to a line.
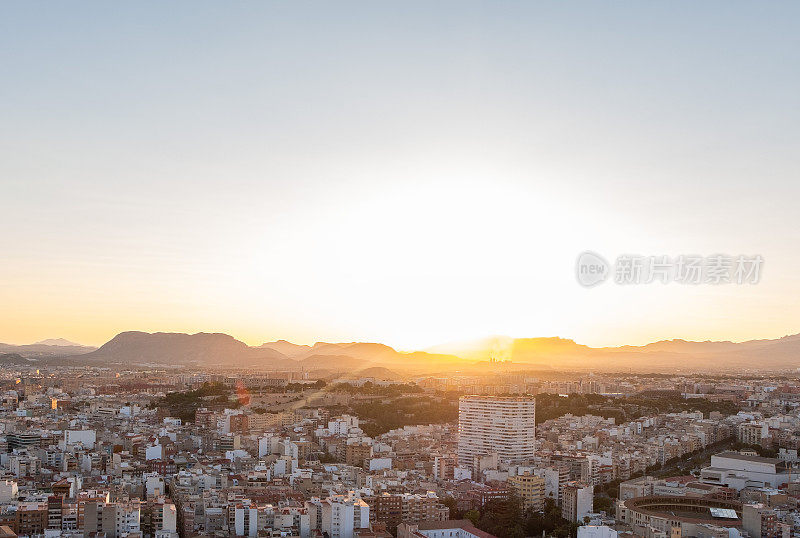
pixel 603 503
pixel 548 521
pixel 473 515
pixel 502 517
pixel 452 504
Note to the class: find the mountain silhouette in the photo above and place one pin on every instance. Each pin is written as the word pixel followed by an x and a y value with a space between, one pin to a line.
pixel 217 349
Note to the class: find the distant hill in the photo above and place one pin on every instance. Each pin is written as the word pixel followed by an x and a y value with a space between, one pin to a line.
pixel 177 348
pixel 550 353
pixel 57 342
pixel 216 349
pixel 41 349
pixel 351 355
pixel 666 355
pixel 378 372
pixel 332 362
pixel 287 348
pixel 362 350
pixel 15 359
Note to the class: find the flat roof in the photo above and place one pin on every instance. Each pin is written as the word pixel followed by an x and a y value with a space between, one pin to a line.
pixel 744 457
pixel 464 524
pixel 725 513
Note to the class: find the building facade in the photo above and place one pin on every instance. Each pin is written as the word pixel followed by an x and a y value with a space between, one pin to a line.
pixel 496 425
pixel 530 489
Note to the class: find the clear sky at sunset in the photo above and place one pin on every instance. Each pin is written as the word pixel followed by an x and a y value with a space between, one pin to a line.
pixel 410 172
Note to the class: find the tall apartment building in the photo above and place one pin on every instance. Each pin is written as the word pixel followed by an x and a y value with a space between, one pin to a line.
pixel 32 518
pixel 530 489
pixel 424 508
pixel 204 418
pixel 229 442
pixel 762 522
pixel 392 509
pixel 116 520
pixel 267 520
pixel 340 516
pixel 55 505
pixel 386 508
pixel 239 424
pixel 578 501
pixel 158 516
pixel 751 433
pixel 556 476
pixel 580 468
pixel 245 520
pixel 356 453
pixel 443 466
pixel 496 425
pixel 9 491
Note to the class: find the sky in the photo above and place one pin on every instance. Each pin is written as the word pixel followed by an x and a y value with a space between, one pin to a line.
pixel 405 172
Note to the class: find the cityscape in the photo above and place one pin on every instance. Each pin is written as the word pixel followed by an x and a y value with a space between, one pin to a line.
pixel 399 269
pixel 132 449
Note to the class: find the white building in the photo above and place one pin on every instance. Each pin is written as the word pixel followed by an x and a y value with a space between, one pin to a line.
pixel 127 518
pixel 762 522
pixel 252 520
pixel 739 471
pixel 9 491
pixel 293 519
pixel 154 484
pixel 342 425
pixel 555 478
pixel 246 521
pixel 751 433
pixel 578 501
pixel 267 445
pixel 341 515
pixel 85 437
pixel 169 518
pixel 596 531
pixel 155 452
pixel 379 464
pixel 496 425
pixel 462 473
pixel 454 528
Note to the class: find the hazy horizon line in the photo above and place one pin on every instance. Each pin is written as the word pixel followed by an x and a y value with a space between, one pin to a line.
pixel 404 349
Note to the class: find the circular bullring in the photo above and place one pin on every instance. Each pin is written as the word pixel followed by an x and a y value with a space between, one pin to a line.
pixel 684 510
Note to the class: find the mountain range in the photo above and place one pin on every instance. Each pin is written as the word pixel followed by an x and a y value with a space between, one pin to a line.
pixel 217 349
pixel 46 348
pixel 214 349
pixel 662 356
pixel 56 342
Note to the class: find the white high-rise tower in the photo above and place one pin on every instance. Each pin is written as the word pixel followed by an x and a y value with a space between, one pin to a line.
pixel 492 424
